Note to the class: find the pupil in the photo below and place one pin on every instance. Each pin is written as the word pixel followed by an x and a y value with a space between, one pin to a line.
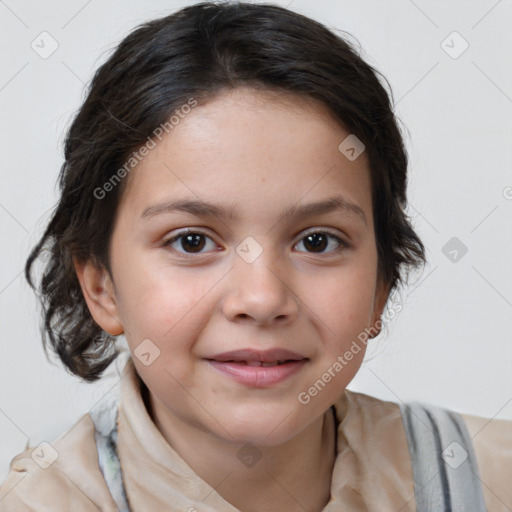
pixel 317 242
pixel 194 242
pixel 320 242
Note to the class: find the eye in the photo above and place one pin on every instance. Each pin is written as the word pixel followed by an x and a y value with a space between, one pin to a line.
pixel 318 241
pixel 191 242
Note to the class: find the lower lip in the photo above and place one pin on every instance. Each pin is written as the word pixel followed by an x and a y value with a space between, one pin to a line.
pixel 258 376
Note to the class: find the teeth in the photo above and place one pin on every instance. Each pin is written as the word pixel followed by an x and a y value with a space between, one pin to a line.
pixel 259 363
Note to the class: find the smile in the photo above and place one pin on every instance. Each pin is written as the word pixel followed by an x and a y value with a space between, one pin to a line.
pixel 258 375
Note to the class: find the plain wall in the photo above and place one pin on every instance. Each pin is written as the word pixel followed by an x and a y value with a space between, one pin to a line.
pixel 451 343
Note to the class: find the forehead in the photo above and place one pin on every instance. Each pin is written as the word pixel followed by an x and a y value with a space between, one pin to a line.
pixel 262 146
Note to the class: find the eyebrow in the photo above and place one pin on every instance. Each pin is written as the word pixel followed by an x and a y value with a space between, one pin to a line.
pixel 205 209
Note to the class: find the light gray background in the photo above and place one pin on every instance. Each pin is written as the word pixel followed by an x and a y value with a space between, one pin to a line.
pixel 451 344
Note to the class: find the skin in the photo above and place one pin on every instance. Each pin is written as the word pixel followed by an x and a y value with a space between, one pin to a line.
pixel 260 153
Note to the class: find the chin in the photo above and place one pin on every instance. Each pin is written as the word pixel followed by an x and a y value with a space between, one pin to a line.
pixel 256 437
pixel 261 426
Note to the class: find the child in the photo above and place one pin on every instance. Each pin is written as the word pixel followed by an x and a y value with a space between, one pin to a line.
pixel 232 201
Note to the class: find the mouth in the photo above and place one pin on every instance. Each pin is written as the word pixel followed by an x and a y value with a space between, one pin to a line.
pixel 257 357
pixel 255 363
pixel 258 369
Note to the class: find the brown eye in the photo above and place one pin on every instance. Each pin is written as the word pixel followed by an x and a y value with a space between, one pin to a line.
pixel 318 242
pixel 195 242
pixel 189 242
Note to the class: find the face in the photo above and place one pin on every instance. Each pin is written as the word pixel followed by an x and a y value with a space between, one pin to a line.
pixel 208 297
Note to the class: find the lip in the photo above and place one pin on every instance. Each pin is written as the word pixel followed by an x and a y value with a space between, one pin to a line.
pixel 265 356
pixel 234 365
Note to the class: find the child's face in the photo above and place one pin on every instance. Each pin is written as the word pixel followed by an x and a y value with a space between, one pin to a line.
pixel 256 158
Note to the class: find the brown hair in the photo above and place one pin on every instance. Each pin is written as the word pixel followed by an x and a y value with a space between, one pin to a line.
pixel 201 51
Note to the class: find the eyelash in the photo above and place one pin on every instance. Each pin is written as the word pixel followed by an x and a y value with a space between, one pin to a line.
pixel 343 245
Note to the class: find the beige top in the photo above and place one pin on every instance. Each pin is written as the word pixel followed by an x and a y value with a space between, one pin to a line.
pixel 372 469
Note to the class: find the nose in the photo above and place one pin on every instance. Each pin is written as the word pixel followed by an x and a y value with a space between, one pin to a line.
pixel 260 292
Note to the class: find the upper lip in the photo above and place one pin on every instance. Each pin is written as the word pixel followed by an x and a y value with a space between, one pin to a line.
pixel 264 356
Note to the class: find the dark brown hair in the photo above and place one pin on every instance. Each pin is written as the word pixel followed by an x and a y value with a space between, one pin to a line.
pixel 201 51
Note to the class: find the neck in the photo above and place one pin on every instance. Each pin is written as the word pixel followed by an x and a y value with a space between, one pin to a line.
pixel 294 476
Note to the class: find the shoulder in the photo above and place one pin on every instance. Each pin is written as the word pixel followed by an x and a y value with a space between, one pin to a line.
pixel 375 429
pixel 370 410
pixel 379 423
pixel 492 443
pixel 374 447
pixel 59 476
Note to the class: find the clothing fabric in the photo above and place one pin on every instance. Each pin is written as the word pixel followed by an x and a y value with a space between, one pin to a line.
pixel 446 480
pixel 115 458
pixel 444 464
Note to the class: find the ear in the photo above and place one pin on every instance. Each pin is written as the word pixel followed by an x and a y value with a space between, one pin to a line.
pixel 380 299
pixel 98 292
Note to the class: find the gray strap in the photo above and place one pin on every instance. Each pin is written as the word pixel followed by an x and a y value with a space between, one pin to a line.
pixel 444 465
pixel 105 420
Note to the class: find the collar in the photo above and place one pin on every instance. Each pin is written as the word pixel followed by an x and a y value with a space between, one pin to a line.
pixel 371 472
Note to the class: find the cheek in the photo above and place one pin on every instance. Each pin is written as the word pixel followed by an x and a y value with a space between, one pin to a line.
pixel 347 291
pixel 341 304
pixel 169 307
pixel 153 300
